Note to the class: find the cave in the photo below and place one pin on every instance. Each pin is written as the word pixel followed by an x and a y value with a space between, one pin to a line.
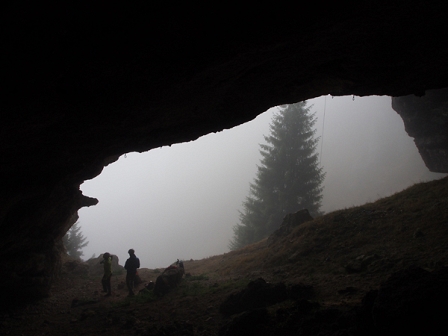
pixel 85 84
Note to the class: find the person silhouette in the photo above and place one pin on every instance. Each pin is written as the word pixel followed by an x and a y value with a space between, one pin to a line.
pixel 105 281
pixel 131 266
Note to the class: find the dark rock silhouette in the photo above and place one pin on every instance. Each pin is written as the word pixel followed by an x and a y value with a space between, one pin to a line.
pixel 290 221
pixel 426 120
pixel 169 278
pixel 260 294
pixel 254 322
pixel 96 268
pixel 413 301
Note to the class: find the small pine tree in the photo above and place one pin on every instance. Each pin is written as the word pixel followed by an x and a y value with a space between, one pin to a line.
pixel 289 178
pixel 74 241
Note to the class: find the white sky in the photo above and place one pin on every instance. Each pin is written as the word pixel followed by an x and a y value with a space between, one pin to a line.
pixel 181 202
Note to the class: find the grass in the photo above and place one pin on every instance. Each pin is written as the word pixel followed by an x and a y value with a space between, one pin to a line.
pixel 231 285
pixel 202 286
pixel 145 296
pixel 193 289
pixel 197 277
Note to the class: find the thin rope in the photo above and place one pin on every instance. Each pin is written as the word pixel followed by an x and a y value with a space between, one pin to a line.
pixel 323 127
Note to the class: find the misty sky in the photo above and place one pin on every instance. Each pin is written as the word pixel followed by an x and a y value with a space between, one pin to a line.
pixel 181 202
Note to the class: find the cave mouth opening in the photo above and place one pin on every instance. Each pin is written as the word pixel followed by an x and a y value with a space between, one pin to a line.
pixel 182 201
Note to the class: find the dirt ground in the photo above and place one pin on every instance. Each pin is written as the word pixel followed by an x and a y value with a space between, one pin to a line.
pixel 77 306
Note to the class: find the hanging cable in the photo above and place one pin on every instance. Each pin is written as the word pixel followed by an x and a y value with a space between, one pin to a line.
pixel 323 127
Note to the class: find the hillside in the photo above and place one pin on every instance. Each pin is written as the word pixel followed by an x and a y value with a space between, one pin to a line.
pixel 331 269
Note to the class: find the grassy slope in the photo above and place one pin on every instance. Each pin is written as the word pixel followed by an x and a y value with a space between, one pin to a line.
pixel 408 228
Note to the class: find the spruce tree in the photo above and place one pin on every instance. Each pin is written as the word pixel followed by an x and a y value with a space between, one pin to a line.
pixel 74 241
pixel 288 178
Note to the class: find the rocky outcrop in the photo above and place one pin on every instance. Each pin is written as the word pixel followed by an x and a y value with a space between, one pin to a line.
pixel 290 221
pixel 96 268
pixel 169 279
pixel 426 120
pixel 84 84
pixel 258 294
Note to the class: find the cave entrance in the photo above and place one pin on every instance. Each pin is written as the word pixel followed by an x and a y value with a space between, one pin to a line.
pixel 181 202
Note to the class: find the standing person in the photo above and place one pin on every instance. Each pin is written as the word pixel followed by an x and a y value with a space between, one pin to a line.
pixel 131 266
pixel 105 281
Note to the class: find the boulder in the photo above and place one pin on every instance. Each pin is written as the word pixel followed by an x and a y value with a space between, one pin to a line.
pixel 169 278
pixel 258 294
pixel 97 269
pixel 290 221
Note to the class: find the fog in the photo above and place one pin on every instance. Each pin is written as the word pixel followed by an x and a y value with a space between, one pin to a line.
pixel 181 202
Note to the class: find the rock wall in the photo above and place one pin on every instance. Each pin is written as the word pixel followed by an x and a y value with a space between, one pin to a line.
pixel 426 120
pixel 84 84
